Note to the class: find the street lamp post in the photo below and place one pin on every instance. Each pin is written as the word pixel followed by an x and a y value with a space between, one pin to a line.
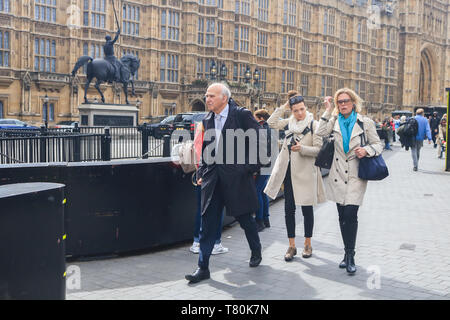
pixel 46 110
pixel 256 76
pixel 254 87
pixel 223 72
pixel 138 104
pixel 213 71
pixel 248 75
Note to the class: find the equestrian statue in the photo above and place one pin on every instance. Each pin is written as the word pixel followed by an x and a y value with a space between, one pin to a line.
pixel 109 69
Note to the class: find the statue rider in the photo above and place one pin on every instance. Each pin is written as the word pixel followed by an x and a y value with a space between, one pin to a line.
pixel 108 50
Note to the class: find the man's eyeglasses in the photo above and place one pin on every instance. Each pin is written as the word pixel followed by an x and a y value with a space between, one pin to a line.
pixel 295 100
pixel 344 101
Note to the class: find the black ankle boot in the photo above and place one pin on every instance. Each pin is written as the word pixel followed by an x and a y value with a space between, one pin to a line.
pixel 350 261
pixel 343 263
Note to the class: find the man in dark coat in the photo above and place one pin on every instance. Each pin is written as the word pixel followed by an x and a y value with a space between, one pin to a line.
pixel 434 126
pixel 226 183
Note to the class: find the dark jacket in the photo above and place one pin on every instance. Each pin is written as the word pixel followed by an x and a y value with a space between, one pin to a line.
pixel 434 125
pixel 405 140
pixel 234 181
pixel 264 125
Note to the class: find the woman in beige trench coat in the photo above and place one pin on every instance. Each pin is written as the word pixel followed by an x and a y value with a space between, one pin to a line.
pixel 344 186
pixel 295 168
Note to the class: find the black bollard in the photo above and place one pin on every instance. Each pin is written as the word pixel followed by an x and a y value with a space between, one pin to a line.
pixel 166 146
pixel 32 248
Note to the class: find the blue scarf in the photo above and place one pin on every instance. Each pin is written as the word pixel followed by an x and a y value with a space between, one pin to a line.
pixel 346 126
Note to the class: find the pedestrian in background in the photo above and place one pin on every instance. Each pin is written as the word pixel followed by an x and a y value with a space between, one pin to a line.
pixel 442 135
pixel 295 168
pixel 423 132
pixel 396 125
pixel 387 133
pixel 434 127
pixel 393 129
pixel 262 215
pixel 345 187
pixel 407 132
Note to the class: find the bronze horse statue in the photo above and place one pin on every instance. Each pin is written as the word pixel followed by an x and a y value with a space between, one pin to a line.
pixel 104 71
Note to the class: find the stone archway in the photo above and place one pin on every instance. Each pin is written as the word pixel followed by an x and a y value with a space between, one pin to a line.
pixel 428 77
pixel 198 105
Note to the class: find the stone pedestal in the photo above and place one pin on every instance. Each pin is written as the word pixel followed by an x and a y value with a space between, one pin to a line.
pixel 99 114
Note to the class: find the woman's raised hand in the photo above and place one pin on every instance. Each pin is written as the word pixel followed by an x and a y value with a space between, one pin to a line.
pixel 327 103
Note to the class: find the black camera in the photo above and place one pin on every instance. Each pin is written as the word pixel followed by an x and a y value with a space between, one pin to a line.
pixel 293 142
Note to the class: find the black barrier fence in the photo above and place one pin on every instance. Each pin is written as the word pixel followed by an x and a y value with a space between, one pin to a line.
pixel 81 144
pixel 113 206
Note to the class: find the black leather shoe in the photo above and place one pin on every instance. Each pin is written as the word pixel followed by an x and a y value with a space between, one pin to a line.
pixel 198 275
pixel 267 223
pixel 255 259
pixel 260 225
pixel 350 262
pixel 343 263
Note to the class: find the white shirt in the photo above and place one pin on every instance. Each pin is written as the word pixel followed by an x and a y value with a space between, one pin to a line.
pixel 219 122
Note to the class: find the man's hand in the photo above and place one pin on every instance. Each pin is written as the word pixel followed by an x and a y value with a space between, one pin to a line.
pixel 199 182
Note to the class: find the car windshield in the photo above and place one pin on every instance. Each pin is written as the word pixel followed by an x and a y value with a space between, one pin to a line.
pixel 199 117
pixel 65 122
pixel 183 117
pixel 8 121
pixel 168 120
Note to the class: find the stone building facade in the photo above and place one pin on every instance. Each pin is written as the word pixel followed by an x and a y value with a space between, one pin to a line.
pixel 395 54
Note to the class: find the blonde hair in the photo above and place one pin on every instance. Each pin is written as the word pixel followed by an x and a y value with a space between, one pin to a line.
pixel 356 100
pixel 420 111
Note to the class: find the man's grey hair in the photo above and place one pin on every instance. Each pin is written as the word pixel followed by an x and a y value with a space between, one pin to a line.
pixel 225 90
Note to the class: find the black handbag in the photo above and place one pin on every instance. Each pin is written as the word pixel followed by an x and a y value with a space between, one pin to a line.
pixel 325 157
pixel 371 168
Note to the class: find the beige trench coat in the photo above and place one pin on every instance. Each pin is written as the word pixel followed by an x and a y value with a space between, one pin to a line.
pixel 306 178
pixel 343 185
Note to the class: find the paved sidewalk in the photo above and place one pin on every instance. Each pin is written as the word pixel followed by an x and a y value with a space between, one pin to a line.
pixel 403 251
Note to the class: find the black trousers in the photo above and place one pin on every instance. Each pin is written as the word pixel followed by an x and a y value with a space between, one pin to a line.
pixel 289 209
pixel 211 220
pixel 348 222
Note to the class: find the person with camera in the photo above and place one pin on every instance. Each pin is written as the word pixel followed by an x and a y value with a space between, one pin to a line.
pixel 347 125
pixel 295 168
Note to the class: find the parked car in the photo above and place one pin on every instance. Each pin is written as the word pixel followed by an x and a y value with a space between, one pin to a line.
pixel 65 124
pixel 163 128
pixel 400 113
pixel 188 120
pixel 15 124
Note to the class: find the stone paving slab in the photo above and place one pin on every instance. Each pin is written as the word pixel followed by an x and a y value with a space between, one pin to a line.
pixel 403 251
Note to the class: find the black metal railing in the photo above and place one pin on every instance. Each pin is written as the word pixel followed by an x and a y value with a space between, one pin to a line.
pixel 63 148
pixel 81 144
